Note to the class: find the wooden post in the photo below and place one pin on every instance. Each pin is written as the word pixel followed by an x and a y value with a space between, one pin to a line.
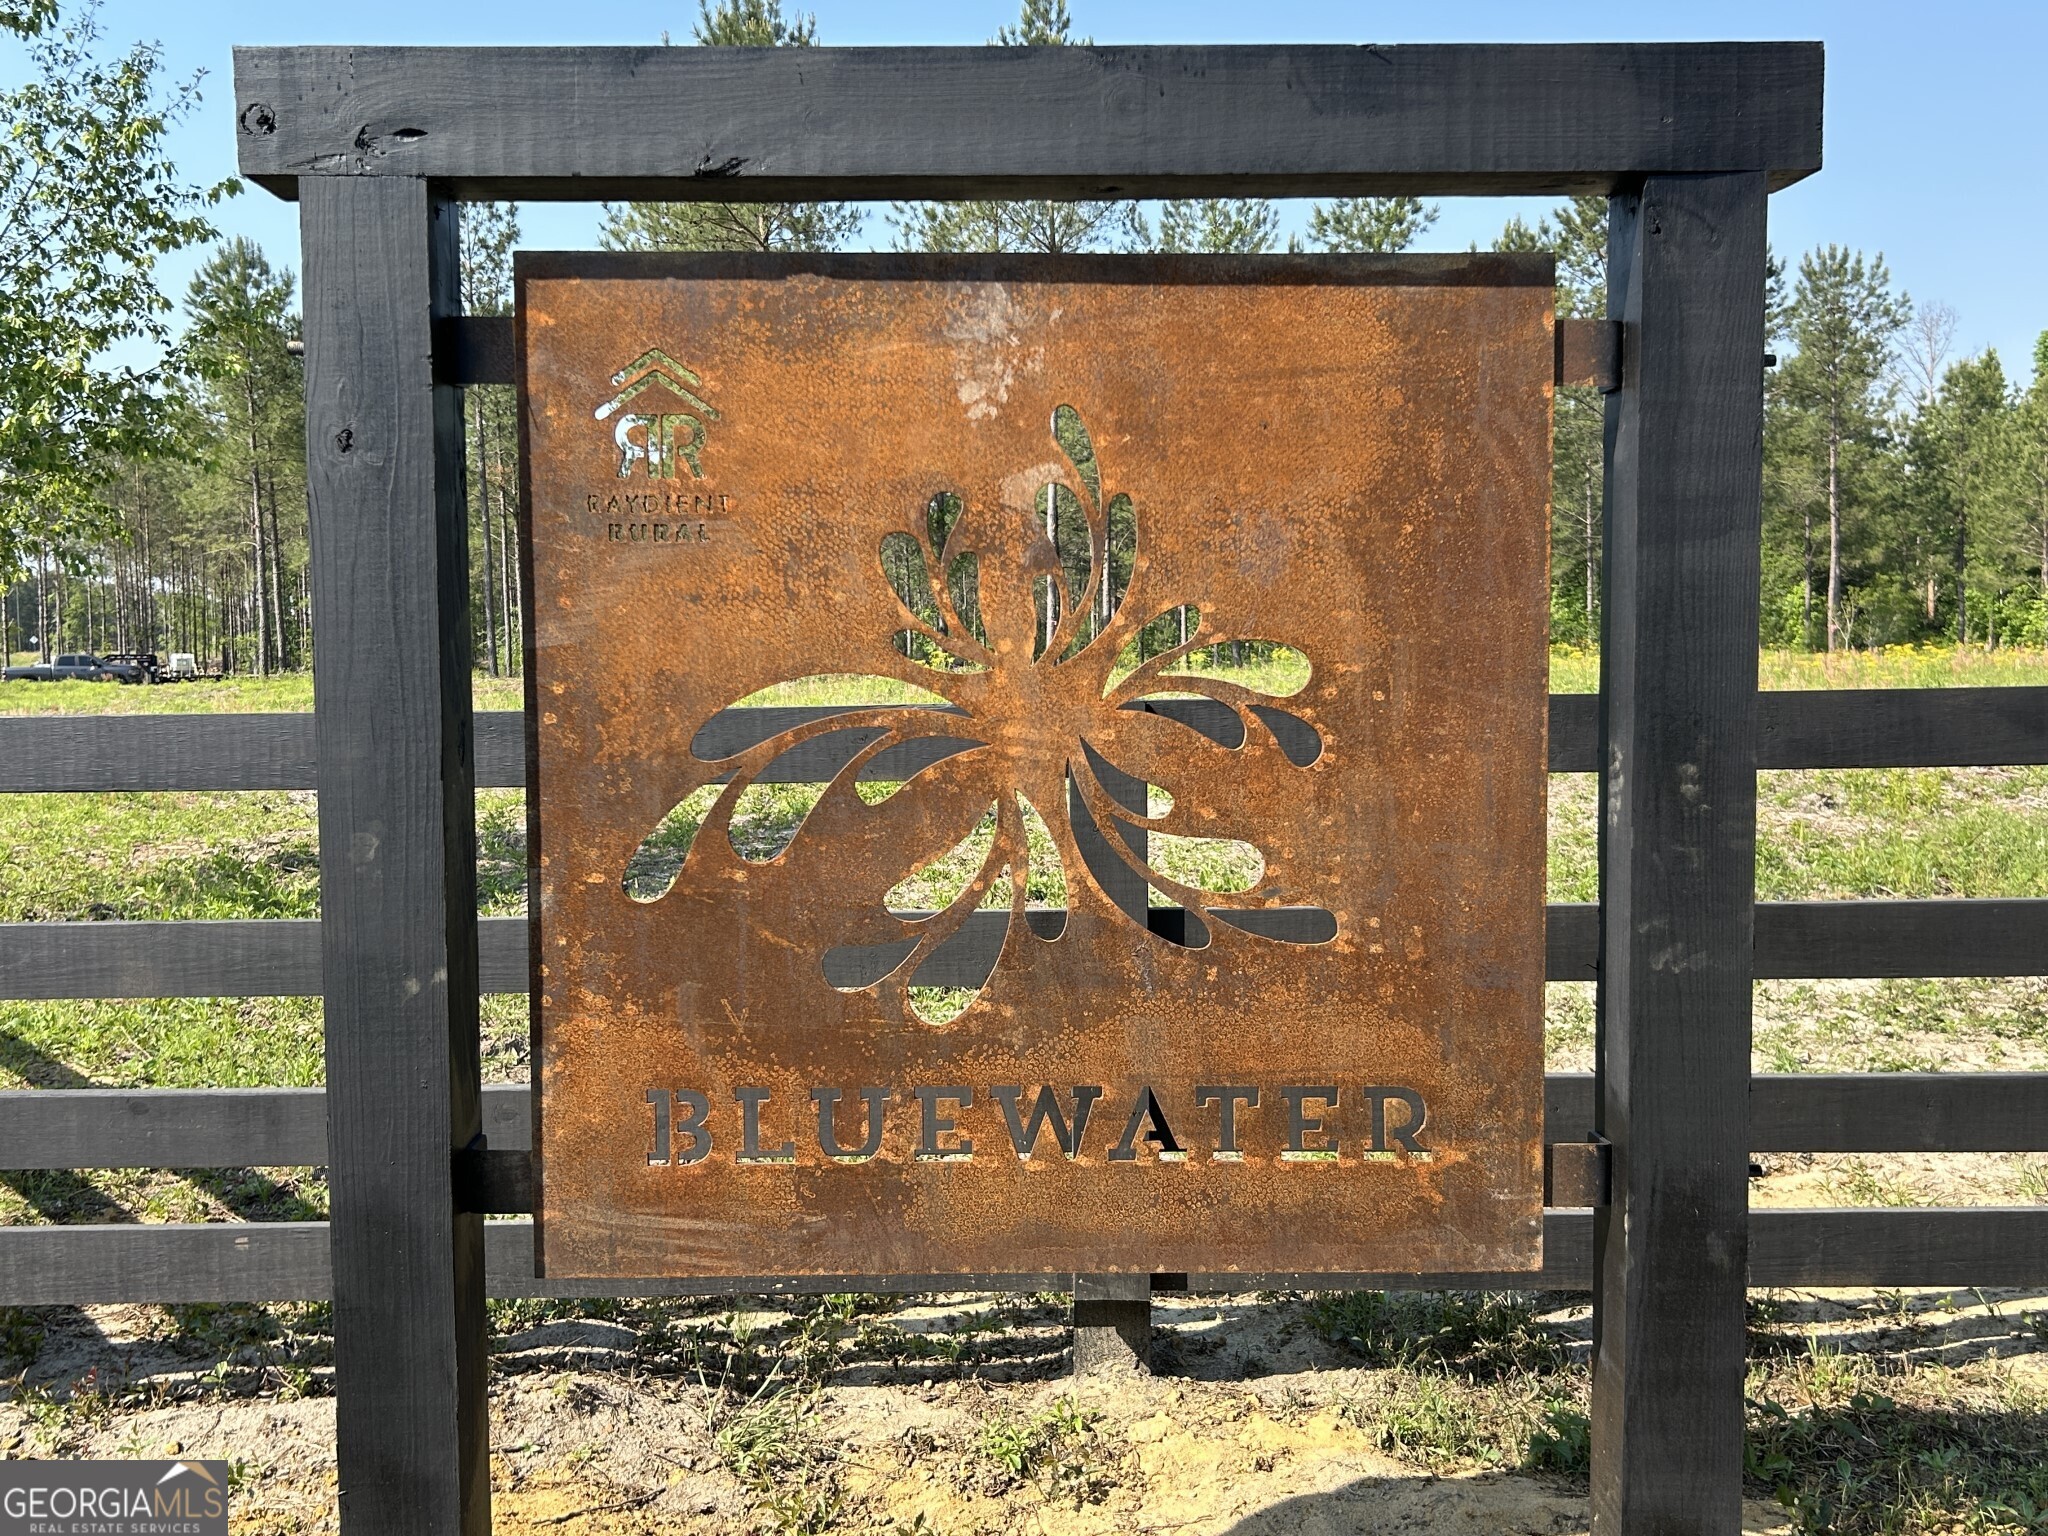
pixel 1112 1323
pixel 398 865
pixel 1677 858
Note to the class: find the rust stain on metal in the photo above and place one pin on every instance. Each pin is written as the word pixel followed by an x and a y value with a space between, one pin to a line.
pixel 743 471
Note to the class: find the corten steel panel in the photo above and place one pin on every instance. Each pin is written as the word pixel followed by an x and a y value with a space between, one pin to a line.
pixel 1348 456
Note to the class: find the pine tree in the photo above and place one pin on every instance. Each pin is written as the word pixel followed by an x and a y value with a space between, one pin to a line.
pixel 1843 318
pixel 1957 451
pixel 1054 228
pixel 241 321
pixel 1226 225
pixel 736 226
pixel 1369 223
pixel 2029 463
pixel 1578 239
pixel 490 232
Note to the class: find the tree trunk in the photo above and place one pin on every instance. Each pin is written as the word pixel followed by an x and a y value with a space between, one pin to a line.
pixel 262 656
pixel 483 503
pixel 1963 575
pixel 147 617
pixel 1834 535
pixel 256 526
pixel 511 600
pixel 1589 534
pixel 1806 584
pixel 277 629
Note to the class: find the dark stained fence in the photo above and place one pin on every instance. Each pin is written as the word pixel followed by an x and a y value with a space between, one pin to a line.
pixel 1686 139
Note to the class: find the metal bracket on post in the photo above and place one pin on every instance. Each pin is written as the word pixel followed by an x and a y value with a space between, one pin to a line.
pixel 1576 1173
pixel 1589 352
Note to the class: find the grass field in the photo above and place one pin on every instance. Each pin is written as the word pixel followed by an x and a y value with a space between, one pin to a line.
pixel 1868 1413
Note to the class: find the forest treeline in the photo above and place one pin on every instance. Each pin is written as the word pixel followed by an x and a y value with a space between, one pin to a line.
pixel 164 508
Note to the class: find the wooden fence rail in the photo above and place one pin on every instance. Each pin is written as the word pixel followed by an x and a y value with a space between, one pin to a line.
pixel 280 957
pixel 287 1127
pixel 1936 1249
pixel 1848 728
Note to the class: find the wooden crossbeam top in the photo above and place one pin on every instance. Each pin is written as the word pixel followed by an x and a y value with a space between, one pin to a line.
pixel 746 124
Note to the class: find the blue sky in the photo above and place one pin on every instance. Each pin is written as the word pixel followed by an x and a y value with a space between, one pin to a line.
pixel 1937 140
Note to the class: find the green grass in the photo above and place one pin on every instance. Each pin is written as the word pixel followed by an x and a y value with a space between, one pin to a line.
pixel 1848 1450
pixel 1863 832
pixel 286 693
pixel 158 856
pixel 841 688
pixel 1574 670
pixel 1482 1336
pixel 1902 832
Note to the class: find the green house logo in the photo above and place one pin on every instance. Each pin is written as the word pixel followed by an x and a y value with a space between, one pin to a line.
pixel 658 438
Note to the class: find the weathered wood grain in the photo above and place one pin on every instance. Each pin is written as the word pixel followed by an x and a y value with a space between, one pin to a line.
pixel 288 1261
pixel 1900 1112
pixel 60 753
pixel 1678 851
pixel 253 958
pixel 163 1128
pixel 1901 938
pixel 1967 1246
pixel 1190 121
pixel 1902 727
pixel 238 1261
pixel 397 791
pixel 280 957
pixel 1848 728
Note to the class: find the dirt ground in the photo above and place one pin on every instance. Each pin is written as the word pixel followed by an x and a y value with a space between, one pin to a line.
pixel 946 1416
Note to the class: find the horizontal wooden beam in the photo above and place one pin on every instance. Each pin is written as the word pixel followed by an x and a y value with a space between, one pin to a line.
pixel 281 957
pixel 1954 1246
pixel 1844 728
pixel 1899 1112
pixel 165 1127
pixel 1849 939
pixel 287 1261
pixel 763 124
pixel 60 754
pixel 287 1127
pixel 1902 727
pixel 1859 1111
pixel 199 1262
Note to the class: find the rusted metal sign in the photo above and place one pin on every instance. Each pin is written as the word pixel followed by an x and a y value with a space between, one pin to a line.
pixel 1061 497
